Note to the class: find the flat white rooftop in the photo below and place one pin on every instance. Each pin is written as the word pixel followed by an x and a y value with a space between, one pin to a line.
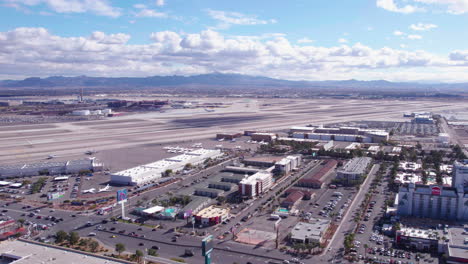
pixel 27 253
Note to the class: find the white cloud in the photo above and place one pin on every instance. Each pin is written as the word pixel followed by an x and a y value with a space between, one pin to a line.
pixel 139 6
pixel 227 19
pixel 160 2
pixel 390 5
pixel 98 7
pixel 37 52
pixel 422 27
pixel 414 37
pixel 456 7
pixel 342 40
pixel 150 13
pixel 398 33
pixel 305 40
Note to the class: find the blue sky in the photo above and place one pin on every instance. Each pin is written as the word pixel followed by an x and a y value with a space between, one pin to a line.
pixel 398 40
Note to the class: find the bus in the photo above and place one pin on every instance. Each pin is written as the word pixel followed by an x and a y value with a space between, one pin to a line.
pixel 105 210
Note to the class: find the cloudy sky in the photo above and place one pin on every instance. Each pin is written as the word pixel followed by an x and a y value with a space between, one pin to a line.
pixel 396 40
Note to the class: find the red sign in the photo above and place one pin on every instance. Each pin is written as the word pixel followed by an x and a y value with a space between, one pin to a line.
pixel 436 190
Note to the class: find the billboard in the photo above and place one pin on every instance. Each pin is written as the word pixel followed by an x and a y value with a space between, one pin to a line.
pixel 207 245
pixel 122 195
pixel 436 190
pixel 55 195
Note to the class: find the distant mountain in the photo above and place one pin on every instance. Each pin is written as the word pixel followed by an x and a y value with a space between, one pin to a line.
pixel 217 79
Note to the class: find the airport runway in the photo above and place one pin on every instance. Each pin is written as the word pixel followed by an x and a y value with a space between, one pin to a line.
pixel 26 143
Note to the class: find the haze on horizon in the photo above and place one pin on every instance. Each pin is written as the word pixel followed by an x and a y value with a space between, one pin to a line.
pixel 395 40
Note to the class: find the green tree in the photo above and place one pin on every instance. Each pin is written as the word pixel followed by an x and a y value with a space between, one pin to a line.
pixel 21 222
pixel 152 252
pixel 73 238
pixel 138 255
pixel 119 247
pixel 61 236
pixel 93 245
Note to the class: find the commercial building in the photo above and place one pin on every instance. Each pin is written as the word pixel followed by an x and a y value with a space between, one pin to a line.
pixel 443 138
pixel 27 252
pixel 292 200
pixel 265 137
pixel 50 168
pixel 433 202
pixel 208 192
pixel 449 240
pixel 228 136
pixel 152 171
pixel 350 134
pixel 423 119
pixel 460 174
pixel 456 245
pixel 261 161
pixel 197 204
pixel 310 232
pixel 9 228
pixel 288 164
pixel 256 184
pixel 211 215
pixel 418 239
pixel 353 171
pixel 409 166
pixel 315 179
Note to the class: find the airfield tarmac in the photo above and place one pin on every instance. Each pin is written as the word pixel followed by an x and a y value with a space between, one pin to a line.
pixel 32 143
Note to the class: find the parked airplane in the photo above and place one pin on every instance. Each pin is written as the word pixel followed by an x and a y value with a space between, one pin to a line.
pixel 105 189
pixel 52 156
pixel 92 190
pixel 90 152
pixel 209 110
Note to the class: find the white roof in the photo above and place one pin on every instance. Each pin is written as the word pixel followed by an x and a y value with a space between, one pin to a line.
pixel 61 178
pixel 17 185
pixel 3 183
pixel 154 209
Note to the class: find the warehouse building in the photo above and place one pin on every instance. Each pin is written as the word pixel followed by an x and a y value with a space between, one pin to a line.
pixel 152 171
pixel 292 200
pixel 311 232
pixel 50 168
pixel 350 134
pixel 228 136
pixel 256 184
pixel 315 179
pixel 354 170
pixel 265 137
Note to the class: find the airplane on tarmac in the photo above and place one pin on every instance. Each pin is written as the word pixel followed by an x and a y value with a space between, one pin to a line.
pixel 52 156
pixel 92 190
pixel 105 189
pixel 90 152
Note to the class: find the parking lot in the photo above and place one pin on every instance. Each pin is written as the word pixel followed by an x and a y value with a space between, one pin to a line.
pixel 372 243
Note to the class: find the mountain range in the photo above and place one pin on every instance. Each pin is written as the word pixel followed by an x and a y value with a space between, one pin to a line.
pixel 219 80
